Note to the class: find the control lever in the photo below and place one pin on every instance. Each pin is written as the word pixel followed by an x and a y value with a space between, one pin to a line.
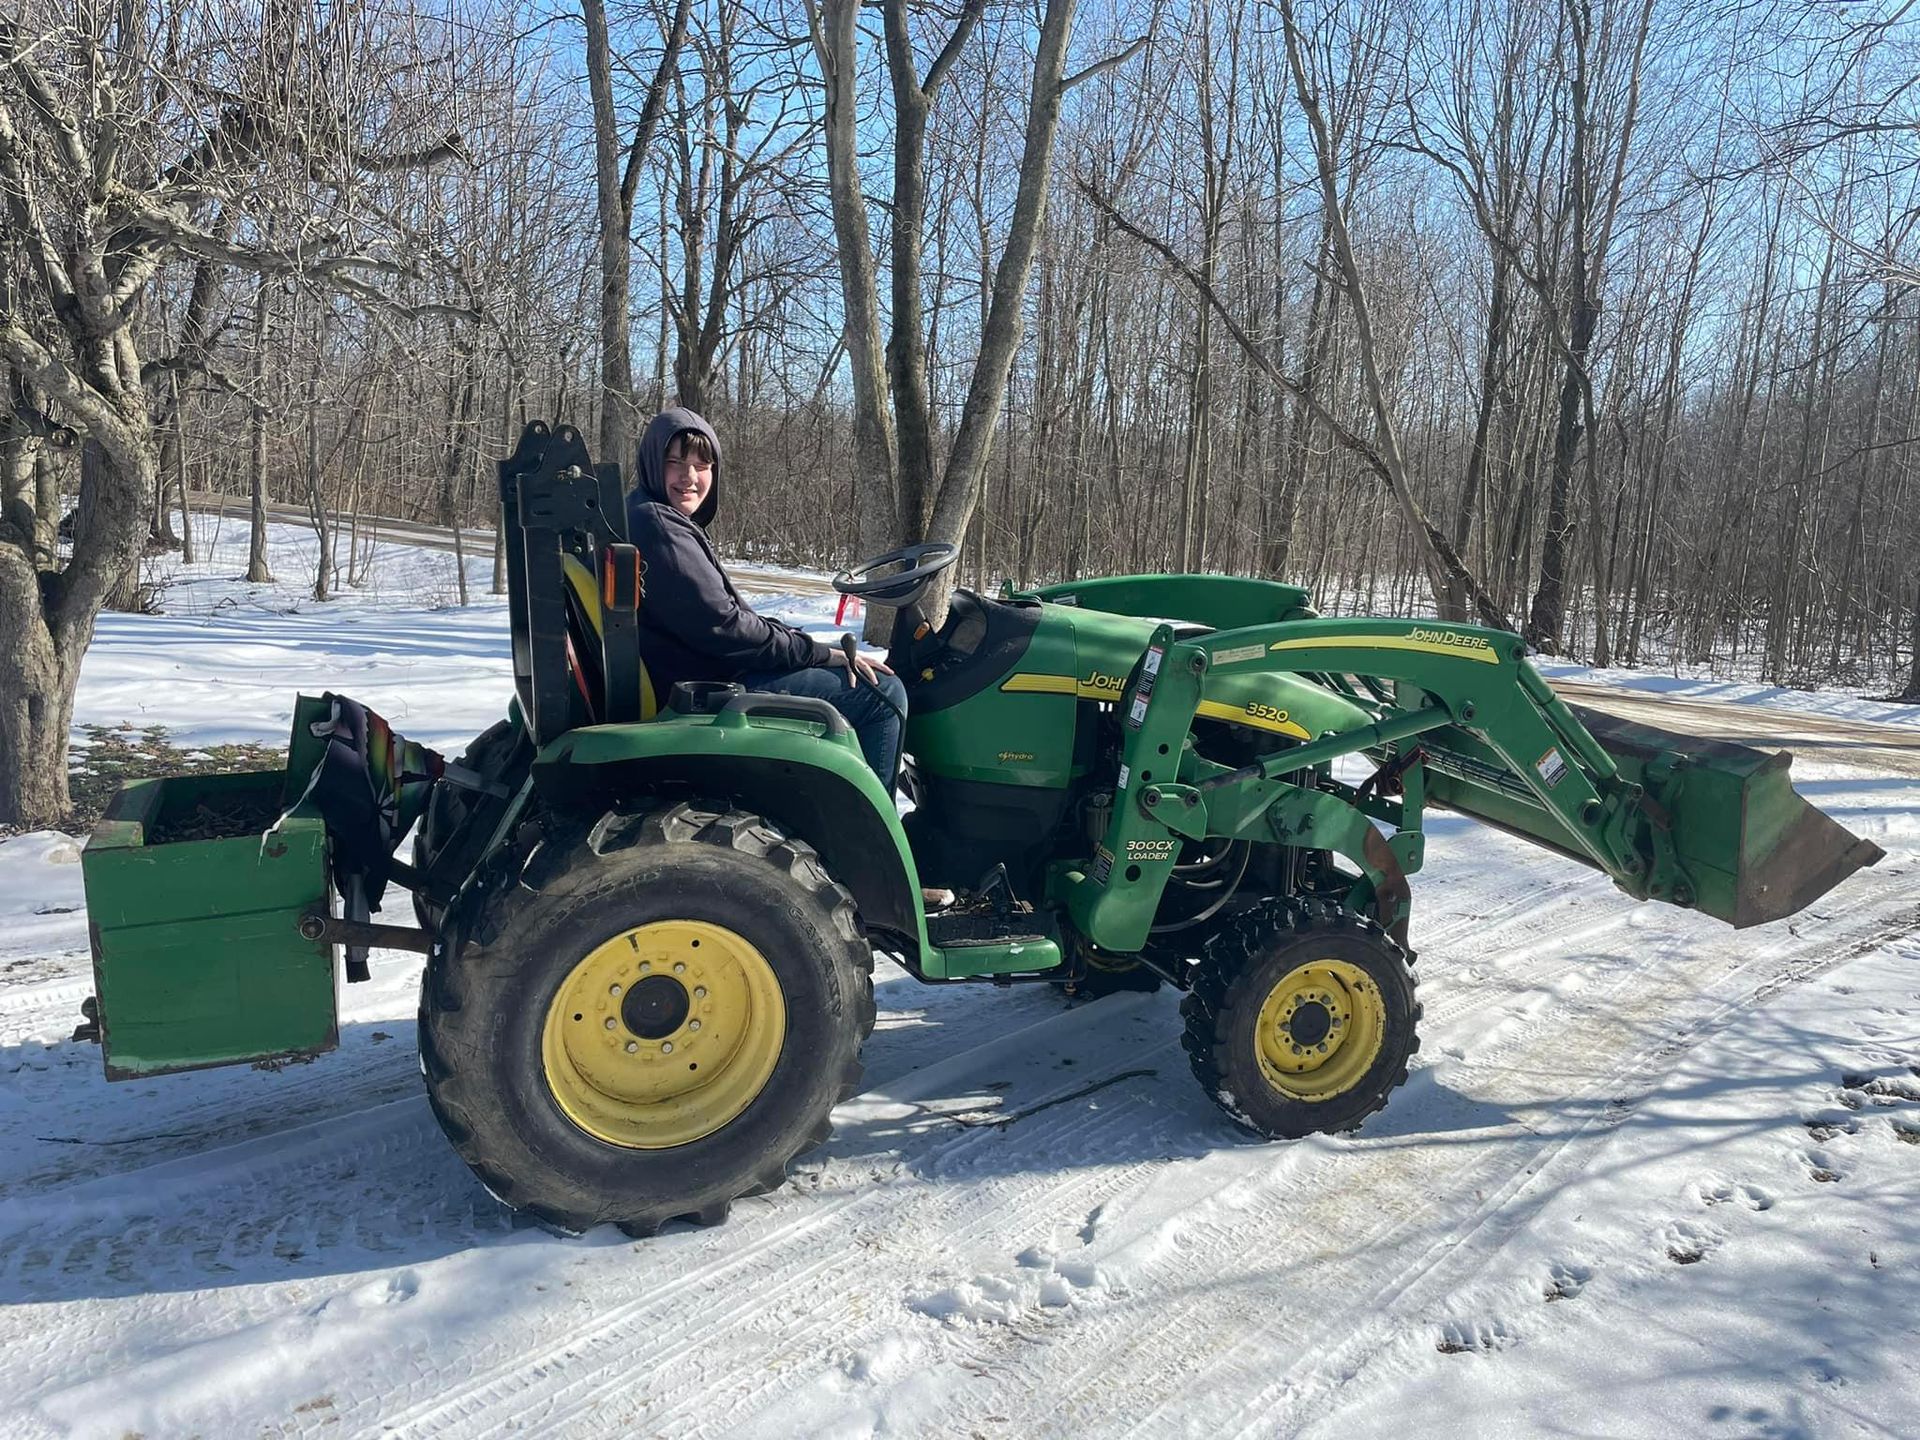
pixel 850 647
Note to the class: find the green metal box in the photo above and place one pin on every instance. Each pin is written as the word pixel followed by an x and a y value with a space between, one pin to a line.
pixel 193 915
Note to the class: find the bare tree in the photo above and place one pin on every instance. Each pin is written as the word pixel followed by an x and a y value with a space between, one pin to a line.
pixel 107 173
pixel 923 506
pixel 617 170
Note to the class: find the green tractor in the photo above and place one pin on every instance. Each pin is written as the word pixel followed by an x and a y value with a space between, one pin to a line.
pixel 650 920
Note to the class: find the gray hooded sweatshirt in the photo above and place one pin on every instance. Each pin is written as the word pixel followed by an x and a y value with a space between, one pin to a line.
pixel 693 623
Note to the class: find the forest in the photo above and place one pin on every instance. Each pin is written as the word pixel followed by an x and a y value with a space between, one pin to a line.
pixel 1594 319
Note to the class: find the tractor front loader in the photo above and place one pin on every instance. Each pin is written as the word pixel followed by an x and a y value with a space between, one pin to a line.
pixel 650 920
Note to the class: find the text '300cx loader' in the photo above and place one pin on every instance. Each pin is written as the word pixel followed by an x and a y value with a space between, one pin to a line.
pixel 650 920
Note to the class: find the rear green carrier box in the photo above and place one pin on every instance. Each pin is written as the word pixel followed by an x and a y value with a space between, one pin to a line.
pixel 197 955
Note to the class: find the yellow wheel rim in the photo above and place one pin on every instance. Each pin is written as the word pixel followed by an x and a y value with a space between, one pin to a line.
pixel 1320 1030
pixel 663 1034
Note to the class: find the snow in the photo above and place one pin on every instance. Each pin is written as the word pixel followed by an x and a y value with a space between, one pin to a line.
pixel 1727 1259
pixel 1649 1176
pixel 226 659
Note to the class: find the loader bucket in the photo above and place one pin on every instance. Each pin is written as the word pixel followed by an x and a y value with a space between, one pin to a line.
pixel 1753 848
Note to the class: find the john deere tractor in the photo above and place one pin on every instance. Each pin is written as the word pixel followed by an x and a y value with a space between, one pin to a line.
pixel 650 920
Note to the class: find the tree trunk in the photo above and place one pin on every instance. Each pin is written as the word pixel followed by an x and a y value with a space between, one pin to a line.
pixel 461 388
pixel 1913 638
pixel 960 485
pixel 173 471
pixel 46 627
pixel 618 426
pixel 36 702
pixel 614 189
pixel 907 342
pixel 1438 557
pixel 836 41
pixel 1548 614
pixel 18 510
pixel 258 570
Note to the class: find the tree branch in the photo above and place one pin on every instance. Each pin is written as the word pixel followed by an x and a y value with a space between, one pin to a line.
pixel 41 99
pixel 1100 67
pixel 1349 439
pixel 650 111
pixel 943 62
pixel 29 223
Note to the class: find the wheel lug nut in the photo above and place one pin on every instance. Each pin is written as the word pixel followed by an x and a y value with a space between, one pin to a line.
pixel 632 1046
pixel 666 1047
pixel 613 990
pixel 611 1022
pixel 693 1025
pixel 699 992
pixel 679 967
pixel 646 967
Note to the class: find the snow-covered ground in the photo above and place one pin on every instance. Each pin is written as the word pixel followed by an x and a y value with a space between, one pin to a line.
pixel 1650 1177
pixel 225 659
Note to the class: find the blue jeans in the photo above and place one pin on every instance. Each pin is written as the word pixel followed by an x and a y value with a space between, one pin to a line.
pixel 873 721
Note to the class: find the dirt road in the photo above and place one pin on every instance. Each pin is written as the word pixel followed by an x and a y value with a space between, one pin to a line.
pixel 1888 749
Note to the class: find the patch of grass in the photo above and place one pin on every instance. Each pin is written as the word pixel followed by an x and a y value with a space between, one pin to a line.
pixel 114 754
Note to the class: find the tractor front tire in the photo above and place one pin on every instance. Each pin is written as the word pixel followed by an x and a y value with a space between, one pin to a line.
pixel 1302 1019
pixel 651 1020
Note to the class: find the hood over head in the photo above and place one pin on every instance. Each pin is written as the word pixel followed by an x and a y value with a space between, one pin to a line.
pixel 651 462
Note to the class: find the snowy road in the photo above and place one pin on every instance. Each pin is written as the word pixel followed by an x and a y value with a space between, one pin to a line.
pixel 1651 1177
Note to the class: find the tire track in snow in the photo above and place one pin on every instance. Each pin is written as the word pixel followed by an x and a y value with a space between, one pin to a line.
pixel 954 1220
pixel 378 1187
pixel 1260 1191
pixel 523 1390
pixel 1378 1201
pixel 216 1114
pixel 41 1016
pixel 1567 921
pixel 1304 1171
pixel 1467 1253
pixel 44 1001
pixel 203 1121
pixel 944 1222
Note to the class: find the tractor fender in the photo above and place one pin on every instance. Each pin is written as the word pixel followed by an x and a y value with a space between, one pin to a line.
pixel 814 787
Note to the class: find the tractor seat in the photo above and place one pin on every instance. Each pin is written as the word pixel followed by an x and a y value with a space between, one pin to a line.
pixel 593 654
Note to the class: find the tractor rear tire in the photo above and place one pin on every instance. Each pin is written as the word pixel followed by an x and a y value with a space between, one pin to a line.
pixel 448 807
pixel 1302 1019
pixel 561 1044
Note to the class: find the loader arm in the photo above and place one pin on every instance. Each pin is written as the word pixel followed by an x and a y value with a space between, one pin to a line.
pixel 1459 716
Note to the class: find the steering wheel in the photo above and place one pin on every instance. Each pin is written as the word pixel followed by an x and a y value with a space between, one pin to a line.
pixel 908 572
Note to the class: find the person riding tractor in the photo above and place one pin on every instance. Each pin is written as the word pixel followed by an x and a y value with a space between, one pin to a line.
pixel 696 626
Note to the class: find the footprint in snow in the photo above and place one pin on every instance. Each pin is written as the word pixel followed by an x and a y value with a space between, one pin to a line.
pixel 1750 1196
pixel 1689 1244
pixel 1460 1337
pixel 1047 1277
pixel 1824 1131
pixel 1092 1226
pixel 1566 1280
pixel 1893 1089
pixel 1821 1167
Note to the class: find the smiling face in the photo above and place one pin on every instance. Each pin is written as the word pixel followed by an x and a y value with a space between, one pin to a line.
pixel 689 472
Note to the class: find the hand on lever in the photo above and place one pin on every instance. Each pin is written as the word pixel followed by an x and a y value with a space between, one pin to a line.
pixel 857 666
